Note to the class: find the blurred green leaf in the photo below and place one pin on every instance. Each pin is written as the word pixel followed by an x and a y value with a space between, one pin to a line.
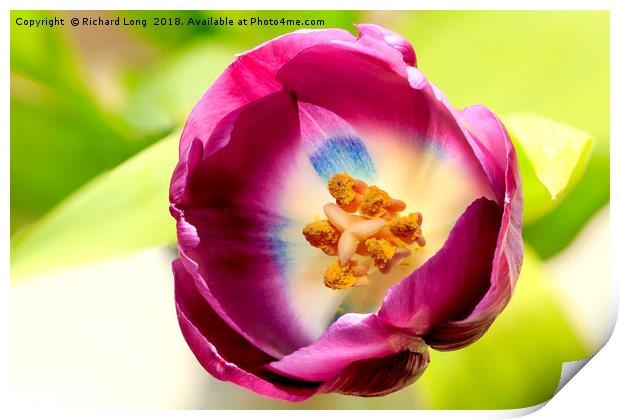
pixel 554 231
pixel 43 53
pixel 163 97
pixel 550 155
pixel 517 363
pixel 57 144
pixel 60 135
pixel 118 212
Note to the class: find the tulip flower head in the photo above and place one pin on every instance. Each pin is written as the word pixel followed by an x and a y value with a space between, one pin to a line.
pixel 337 217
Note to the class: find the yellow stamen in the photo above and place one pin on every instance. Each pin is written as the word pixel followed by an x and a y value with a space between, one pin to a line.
pixel 321 234
pixel 375 202
pixel 381 251
pixel 340 186
pixel 408 228
pixel 345 276
pixel 377 233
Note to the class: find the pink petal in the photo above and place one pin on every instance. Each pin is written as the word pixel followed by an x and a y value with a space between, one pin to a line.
pixel 226 227
pixel 491 139
pixel 453 281
pixel 379 376
pixel 358 86
pixel 487 138
pixel 394 40
pixel 507 260
pixel 223 352
pixel 250 77
pixel 369 90
pixel 178 185
pixel 353 337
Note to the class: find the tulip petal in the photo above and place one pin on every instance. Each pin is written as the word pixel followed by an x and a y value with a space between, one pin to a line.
pixel 185 166
pixel 363 89
pixel 373 94
pixel 239 226
pixel 232 208
pixel 222 351
pixel 448 285
pixel 394 40
pixel 378 376
pixel 507 262
pixel 353 337
pixel 333 146
pixel 487 137
pixel 250 77
pixel 491 137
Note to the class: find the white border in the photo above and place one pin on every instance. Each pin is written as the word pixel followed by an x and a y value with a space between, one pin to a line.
pixel 592 392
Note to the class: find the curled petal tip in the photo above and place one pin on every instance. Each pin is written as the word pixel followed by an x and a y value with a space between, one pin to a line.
pixel 393 39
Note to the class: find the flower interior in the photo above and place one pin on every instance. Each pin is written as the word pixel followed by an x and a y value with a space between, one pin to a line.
pixel 364 231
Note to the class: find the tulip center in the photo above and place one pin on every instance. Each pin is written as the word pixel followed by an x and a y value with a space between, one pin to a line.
pixel 364 230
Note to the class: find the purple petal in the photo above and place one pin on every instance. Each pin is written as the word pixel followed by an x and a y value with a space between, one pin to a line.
pixel 453 281
pixel 362 88
pixel 185 166
pixel 233 212
pixel 353 337
pixel 372 92
pixel 506 266
pixel 379 376
pixel 250 77
pixel 239 232
pixel 222 351
pixel 490 133
pixel 488 139
pixel 394 40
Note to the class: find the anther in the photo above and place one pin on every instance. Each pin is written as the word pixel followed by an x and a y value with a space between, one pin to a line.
pixel 346 191
pixel 381 251
pixel 408 228
pixel 346 276
pixel 321 234
pixel 375 202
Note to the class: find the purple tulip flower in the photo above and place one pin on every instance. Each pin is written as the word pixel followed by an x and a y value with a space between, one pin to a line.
pixel 336 216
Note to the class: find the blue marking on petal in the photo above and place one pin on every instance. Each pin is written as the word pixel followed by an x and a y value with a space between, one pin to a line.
pixel 436 149
pixel 279 247
pixel 282 250
pixel 343 154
